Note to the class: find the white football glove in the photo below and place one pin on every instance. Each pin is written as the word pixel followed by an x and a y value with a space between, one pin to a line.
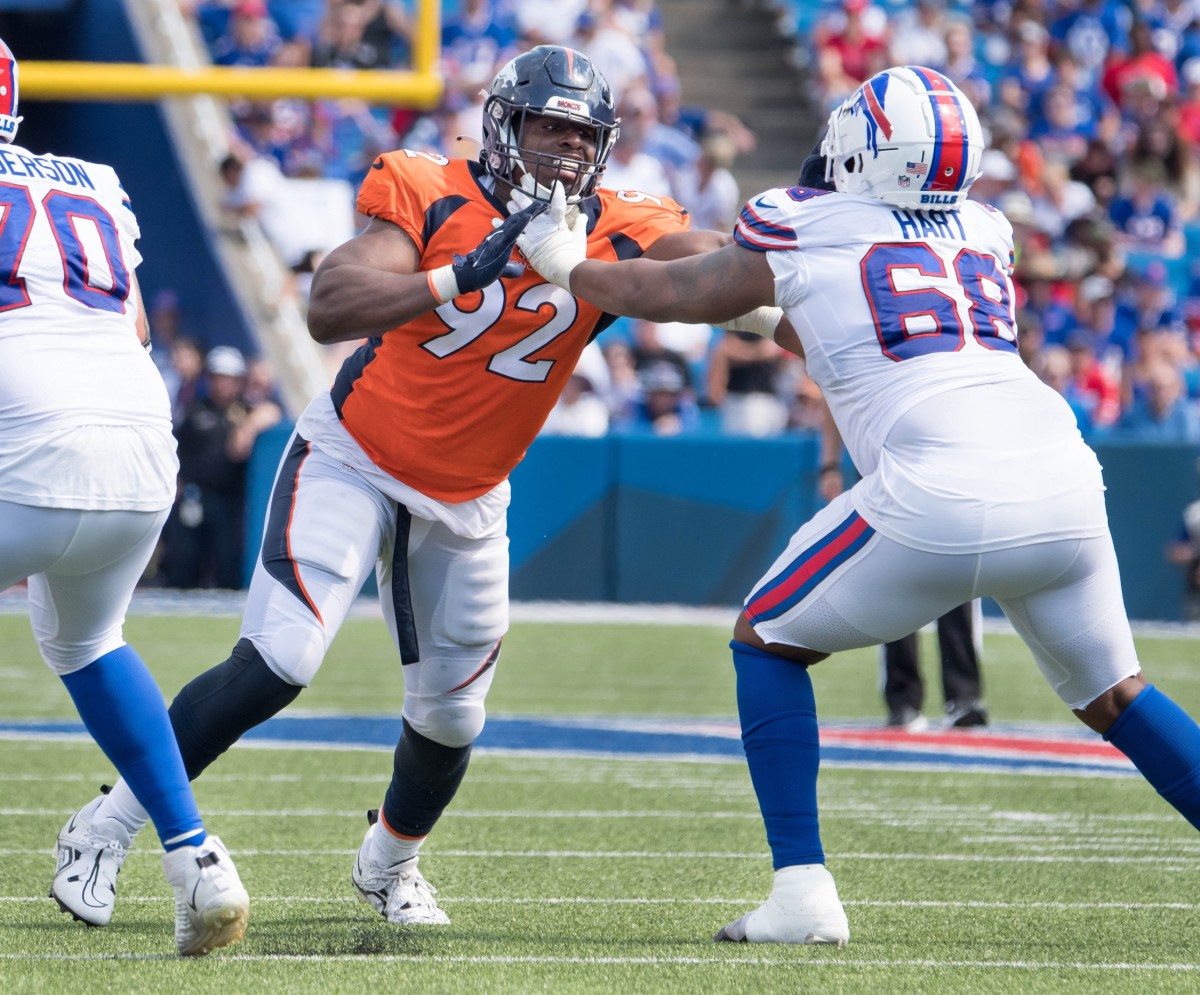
pixel 553 242
pixel 761 321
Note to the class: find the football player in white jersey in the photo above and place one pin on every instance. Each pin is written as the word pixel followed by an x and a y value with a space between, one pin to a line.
pixel 975 481
pixel 87 476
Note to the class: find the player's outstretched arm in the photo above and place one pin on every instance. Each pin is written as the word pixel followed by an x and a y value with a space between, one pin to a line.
pixel 700 286
pixel 373 282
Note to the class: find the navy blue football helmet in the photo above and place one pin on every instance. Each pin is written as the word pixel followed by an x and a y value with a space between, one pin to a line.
pixel 552 81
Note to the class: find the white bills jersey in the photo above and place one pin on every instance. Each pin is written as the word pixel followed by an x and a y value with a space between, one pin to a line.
pixel 85 420
pixel 906 318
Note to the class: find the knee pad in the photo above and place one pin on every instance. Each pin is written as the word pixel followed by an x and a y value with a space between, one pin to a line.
pixel 294 651
pixel 444 694
pixel 453 724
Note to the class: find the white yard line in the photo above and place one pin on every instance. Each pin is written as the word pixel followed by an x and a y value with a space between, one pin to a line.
pixel 811 961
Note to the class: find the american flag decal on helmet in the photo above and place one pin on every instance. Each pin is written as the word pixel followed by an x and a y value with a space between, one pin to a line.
pixel 916 168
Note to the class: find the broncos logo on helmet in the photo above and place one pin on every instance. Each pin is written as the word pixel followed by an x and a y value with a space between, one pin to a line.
pixel 8 95
pixel 553 81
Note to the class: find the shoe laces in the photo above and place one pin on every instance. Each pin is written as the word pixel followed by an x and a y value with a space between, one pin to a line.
pixel 96 842
pixel 413 877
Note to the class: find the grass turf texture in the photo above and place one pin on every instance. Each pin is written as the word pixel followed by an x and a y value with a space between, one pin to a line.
pixel 580 875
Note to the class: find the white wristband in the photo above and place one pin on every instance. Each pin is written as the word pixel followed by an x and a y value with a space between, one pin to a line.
pixel 443 284
pixel 761 321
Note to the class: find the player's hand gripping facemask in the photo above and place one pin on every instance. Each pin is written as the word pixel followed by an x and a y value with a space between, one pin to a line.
pixel 554 242
pixel 488 261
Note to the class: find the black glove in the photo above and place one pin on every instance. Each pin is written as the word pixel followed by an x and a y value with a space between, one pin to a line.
pixel 812 172
pixel 489 260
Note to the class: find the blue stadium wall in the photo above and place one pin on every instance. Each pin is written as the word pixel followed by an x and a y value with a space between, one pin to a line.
pixel 698 520
pixel 133 139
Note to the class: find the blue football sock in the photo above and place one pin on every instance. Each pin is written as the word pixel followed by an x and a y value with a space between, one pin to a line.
pixel 124 711
pixel 1164 744
pixel 779 733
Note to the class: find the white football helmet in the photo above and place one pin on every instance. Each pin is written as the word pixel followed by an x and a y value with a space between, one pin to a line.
pixel 907 136
pixel 8 95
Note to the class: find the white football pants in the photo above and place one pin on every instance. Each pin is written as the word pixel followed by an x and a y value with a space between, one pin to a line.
pixel 840 585
pixel 444 597
pixel 82 568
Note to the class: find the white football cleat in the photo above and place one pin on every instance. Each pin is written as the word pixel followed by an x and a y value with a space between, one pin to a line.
pixel 211 906
pixel 90 855
pixel 803 908
pixel 398 892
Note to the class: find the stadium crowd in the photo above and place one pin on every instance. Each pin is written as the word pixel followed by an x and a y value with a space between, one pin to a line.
pixel 1092 110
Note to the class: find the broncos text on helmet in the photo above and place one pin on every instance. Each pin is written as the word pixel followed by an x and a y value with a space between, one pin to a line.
pixel 8 94
pixel 553 81
pixel 907 136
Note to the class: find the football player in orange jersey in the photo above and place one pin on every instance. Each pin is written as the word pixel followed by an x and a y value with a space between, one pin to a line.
pixel 403 466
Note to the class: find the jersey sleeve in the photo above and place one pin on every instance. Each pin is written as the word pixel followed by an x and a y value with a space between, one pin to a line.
pixel 118 204
pixel 634 221
pixel 783 219
pixel 393 192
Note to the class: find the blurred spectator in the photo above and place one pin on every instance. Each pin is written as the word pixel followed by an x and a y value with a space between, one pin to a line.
pixel 1090 29
pixel 1055 369
pixel 1045 302
pixel 859 36
pixel 1142 70
pixel 665 404
pixel 1164 414
pixel 648 348
pixel 476 39
pixel 1184 550
pixel 919 31
pixel 630 166
pixel 997 174
pixel 166 327
pixel 612 49
pixel 743 374
pixel 962 67
pixel 547 22
pixel 362 34
pixel 621 393
pixel 1098 168
pixel 1147 303
pixel 708 189
pixel 249 38
pixel 1158 141
pixel 1144 213
pixel 203 538
pixel 581 409
pixel 1093 386
pixel 187 365
pixel 807 410
pixel 1031 73
pixel 1189 104
pixel 1060 200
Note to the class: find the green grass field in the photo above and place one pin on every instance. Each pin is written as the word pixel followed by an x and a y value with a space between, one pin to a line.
pixel 569 874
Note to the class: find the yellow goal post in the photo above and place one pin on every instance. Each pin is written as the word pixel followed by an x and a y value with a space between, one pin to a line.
pixel 420 87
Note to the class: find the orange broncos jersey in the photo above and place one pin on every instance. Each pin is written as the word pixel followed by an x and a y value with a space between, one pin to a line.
pixel 449 402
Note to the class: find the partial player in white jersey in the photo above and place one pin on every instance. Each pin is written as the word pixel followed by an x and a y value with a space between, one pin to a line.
pixel 975 481
pixel 87 477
